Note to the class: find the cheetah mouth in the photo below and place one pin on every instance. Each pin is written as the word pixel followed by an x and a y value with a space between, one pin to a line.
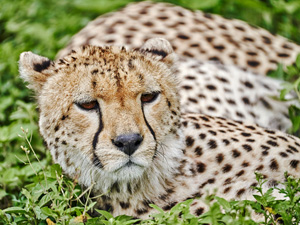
pixel 129 165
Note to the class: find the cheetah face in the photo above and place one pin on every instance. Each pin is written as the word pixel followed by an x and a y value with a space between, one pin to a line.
pixel 106 109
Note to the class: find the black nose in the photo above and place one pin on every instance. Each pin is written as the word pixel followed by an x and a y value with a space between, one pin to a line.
pixel 128 143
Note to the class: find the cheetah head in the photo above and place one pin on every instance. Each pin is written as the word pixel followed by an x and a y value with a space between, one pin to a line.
pixel 108 114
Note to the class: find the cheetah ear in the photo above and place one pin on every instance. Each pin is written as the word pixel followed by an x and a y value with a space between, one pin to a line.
pixel 159 49
pixel 34 69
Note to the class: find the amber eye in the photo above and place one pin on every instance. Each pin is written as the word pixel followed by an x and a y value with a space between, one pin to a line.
pixel 149 97
pixel 88 105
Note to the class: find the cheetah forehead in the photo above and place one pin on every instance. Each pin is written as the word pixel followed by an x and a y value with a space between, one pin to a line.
pixel 110 67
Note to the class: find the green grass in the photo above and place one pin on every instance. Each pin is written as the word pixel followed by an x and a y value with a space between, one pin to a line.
pixel 46 26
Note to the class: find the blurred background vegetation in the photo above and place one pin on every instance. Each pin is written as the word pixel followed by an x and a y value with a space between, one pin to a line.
pixel 46 26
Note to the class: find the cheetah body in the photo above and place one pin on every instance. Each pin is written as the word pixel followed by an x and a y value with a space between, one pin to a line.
pixel 230 90
pixel 91 98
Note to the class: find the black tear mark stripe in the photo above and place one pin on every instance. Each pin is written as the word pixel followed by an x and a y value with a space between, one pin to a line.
pixel 96 160
pixel 149 127
pixel 39 67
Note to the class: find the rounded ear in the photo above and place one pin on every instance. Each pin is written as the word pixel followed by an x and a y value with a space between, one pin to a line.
pixel 34 69
pixel 159 49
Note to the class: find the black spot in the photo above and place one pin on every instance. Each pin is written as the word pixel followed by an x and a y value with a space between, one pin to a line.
pixel 219 47
pixel 220 158
pixel 124 205
pixel 240 173
pixel 245 134
pixel 265 147
pixel 193 100
pixel 251 127
pixel 248 84
pixel 169 206
pixel 287 46
pixel 235 153
pixel 231 101
pixel 204 118
pixel 148 24
pixel 64 142
pixel 283 55
pixel 266 103
pixel 186 87
pixel 201 167
pixel 222 79
pixel 39 67
pixel 227 181
pixel 293 148
pixel 251 53
pixel 283 154
pixel 211 180
pixel 253 63
pixel 162 17
pixel 272 143
pixel 141 211
pixel 248 39
pixel 283 138
pixel 240 192
pixel 265 153
pixel 214 58
pixel 234 139
pixel 239 28
pixel 56 128
pixel 212 132
pixel 226 190
pixel 190 77
pixel 212 144
pixel 198 151
pixel 95 71
pixel 248 148
pixel 226 168
pixel 182 36
pixel 202 136
pixel 189 141
pixel 211 108
pixel 226 142
pixel 294 163
pixel 199 211
pixel 211 87
pixel 266 40
pixel 245 164
pixel 274 164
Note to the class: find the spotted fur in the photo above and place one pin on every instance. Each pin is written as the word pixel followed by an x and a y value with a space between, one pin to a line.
pixel 207 87
pixel 94 96
pixel 192 34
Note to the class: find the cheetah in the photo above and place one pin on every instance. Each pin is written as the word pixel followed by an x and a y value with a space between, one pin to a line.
pixel 193 34
pixel 206 87
pixel 111 118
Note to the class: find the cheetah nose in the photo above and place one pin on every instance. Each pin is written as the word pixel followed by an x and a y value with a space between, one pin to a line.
pixel 128 143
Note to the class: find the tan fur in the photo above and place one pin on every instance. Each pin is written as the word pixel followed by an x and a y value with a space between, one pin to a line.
pixel 211 50
pixel 180 157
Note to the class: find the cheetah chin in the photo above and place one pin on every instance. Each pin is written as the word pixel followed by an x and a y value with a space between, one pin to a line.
pixel 111 118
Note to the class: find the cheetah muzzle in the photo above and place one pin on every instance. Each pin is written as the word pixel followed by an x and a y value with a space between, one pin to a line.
pixel 111 118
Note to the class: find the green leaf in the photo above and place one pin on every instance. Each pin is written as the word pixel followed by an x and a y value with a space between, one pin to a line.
pixel 298 61
pixel 157 208
pixel 48 212
pixel 106 214
pixel 224 203
pixel 14 210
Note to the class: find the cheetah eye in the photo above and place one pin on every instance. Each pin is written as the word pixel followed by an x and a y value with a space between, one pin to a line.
pixel 149 97
pixel 88 105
